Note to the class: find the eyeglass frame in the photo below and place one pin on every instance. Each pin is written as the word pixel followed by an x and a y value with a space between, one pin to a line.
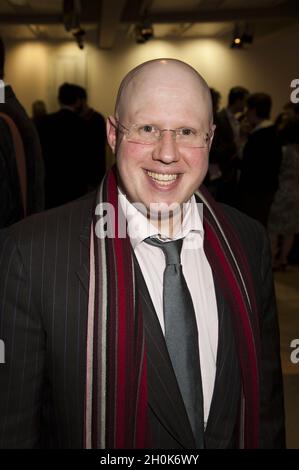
pixel 174 131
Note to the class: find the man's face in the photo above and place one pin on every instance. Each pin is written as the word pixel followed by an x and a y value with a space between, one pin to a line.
pixel 164 172
pixel 240 105
pixel 251 116
pixel 288 113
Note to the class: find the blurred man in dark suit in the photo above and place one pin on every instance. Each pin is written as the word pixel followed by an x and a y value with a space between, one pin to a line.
pixel 261 160
pixel 226 145
pixel 96 139
pixel 16 125
pixel 65 149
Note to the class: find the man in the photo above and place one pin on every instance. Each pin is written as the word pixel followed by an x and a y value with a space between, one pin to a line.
pixel 13 111
pixel 96 139
pixel 64 143
pixel 226 144
pixel 11 208
pixel 92 360
pixel 261 161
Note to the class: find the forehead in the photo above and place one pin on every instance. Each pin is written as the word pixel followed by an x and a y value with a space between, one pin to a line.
pixel 160 95
pixel 161 79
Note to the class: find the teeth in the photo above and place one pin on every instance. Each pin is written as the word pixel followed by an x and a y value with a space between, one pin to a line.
pixel 161 177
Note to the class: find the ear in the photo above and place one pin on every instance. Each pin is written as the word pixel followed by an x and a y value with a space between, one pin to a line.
pixel 111 132
pixel 211 139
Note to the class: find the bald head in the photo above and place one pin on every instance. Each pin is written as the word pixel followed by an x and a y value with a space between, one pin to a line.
pixel 154 75
pixel 162 133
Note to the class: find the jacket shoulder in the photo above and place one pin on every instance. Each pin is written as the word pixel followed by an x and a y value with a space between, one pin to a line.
pixel 251 232
pixel 60 223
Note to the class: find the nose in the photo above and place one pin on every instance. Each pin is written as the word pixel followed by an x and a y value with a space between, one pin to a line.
pixel 166 150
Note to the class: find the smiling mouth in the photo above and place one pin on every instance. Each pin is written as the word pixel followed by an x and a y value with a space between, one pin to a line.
pixel 164 179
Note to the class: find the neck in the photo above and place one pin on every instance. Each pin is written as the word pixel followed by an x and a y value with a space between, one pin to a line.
pixel 65 106
pixel 232 109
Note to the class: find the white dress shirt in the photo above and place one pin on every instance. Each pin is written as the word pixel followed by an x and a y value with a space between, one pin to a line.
pixel 198 275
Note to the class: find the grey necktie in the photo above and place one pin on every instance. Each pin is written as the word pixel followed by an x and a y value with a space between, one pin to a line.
pixel 181 335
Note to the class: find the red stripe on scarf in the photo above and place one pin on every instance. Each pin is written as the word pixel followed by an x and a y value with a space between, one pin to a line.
pixel 130 415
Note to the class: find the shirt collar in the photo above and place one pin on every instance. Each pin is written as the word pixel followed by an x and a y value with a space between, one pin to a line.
pixel 65 106
pixel 231 115
pixel 262 125
pixel 140 228
pixel 9 93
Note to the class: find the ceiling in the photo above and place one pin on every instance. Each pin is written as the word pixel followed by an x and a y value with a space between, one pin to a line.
pixel 29 19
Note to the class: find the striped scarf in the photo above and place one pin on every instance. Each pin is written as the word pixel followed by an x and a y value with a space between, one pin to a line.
pixel 116 378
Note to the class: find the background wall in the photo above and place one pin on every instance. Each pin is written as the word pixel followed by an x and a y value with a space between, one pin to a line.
pixel 36 68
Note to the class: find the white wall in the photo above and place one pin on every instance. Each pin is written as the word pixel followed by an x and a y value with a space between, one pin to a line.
pixel 34 67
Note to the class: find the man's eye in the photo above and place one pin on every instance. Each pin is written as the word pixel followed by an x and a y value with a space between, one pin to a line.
pixel 147 129
pixel 187 131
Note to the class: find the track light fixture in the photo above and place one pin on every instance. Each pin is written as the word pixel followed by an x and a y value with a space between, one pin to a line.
pixel 71 20
pixel 241 36
pixel 237 39
pixel 143 32
pixel 79 36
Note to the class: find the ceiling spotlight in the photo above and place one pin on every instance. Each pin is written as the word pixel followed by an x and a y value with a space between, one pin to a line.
pixel 71 20
pixel 147 31
pixel 237 42
pixel 138 36
pixel 143 32
pixel 242 36
pixel 79 36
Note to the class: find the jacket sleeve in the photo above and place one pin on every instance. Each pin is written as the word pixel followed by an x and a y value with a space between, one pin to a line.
pixel 272 429
pixel 21 376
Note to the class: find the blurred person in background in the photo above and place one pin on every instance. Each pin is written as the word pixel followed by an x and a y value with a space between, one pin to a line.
pixel 284 213
pixel 22 178
pixel 96 139
pixel 39 111
pixel 226 145
pixel 65 149
pixel 261 160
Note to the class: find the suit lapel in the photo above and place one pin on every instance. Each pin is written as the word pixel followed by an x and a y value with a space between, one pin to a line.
pixel 165 400
pixel 225 399
pixel 221 307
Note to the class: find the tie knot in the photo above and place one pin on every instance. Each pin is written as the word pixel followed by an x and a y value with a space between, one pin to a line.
pixel 171 250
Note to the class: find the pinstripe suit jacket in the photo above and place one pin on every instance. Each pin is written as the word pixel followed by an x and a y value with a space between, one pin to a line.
pixel 44 270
